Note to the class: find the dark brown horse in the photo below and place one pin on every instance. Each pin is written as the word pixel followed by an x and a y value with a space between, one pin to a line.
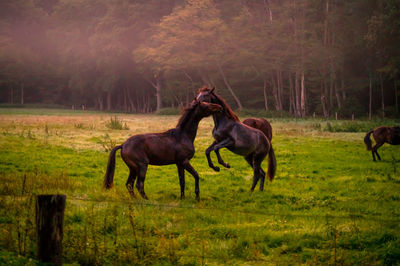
pixel 239 138
pixel 382 135
pixel 174 146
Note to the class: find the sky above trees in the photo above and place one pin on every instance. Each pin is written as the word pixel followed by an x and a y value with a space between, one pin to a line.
pixel 292 56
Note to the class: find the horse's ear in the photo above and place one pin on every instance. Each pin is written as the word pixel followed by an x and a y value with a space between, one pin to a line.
pixel 211 91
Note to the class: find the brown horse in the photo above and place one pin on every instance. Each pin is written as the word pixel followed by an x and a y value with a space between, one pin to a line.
pixel 382 135
pixel 261 124
pixel 239 138
pixel 174 146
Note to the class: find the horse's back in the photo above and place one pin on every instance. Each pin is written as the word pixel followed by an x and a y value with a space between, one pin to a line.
pixel 395 136
pixel 152 148
pixel 260 124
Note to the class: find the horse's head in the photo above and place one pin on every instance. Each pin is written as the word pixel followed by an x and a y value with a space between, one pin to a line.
pixel 208 109
pixel 206 95
pixel 204 109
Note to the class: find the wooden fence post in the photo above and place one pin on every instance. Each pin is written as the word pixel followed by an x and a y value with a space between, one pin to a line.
pixel 49 226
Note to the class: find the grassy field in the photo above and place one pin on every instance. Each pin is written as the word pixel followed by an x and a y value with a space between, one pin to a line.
pixel 329 203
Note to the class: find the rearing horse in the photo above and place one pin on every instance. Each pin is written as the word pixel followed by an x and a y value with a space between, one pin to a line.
pixel 239 138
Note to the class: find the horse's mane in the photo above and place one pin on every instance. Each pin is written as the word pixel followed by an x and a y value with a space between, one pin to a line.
pixel 186 113
pixel 227 109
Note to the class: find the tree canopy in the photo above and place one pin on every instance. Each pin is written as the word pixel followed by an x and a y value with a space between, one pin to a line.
pixel 295 56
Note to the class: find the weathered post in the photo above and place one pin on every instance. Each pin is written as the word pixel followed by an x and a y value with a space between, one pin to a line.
pixel 49 226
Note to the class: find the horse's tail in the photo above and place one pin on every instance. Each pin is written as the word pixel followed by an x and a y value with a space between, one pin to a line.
pixel 271 164
pixel 109 177
pixel 367 140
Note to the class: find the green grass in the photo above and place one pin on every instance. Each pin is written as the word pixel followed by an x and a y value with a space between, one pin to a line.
pixel 328 204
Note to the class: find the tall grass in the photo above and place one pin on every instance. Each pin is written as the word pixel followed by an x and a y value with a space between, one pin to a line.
pixel 116 123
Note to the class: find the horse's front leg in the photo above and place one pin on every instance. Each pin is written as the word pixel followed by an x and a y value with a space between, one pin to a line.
pixel 220 161
pixel 208 151
pixel 193 172
pixel 223 144
pixel 181 172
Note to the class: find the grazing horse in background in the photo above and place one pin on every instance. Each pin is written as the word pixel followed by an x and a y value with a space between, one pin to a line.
pixel 174 146
pixel 261 124
pixel 382 135
pixel 239 138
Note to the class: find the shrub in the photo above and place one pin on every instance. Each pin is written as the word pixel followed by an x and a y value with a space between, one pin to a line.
pixel 116 123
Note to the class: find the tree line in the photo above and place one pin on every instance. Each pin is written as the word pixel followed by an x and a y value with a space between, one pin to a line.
pixel 298 57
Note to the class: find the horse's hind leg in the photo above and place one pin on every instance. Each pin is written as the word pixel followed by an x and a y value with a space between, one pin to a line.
pixel 249 159
pixel 131 181
pixel 256 171
pixel 140 182
pixel 375 149
pixel 257 167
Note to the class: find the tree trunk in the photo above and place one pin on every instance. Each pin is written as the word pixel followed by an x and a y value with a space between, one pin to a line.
pixel 22 93
pixel 265 95
pixel 396 96
pixel 339 102
pixel 132 105
pixel 370 97
pixel 157 86
pixel 323 103
pixel 158 95
pixel 382 95
pixel 342 87
pixel 100 103
pixel 239 104
pixel 268 11
pixel 189 89
pixel 303 96
pixel 280 88
pixel 108 100
pixel 12 95
pixel 326 94
pixel 297 94
pixel 275 92
pixel 125 99
pixel 291 95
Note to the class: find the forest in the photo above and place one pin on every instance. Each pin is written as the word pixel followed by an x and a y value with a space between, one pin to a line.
pixel 286 57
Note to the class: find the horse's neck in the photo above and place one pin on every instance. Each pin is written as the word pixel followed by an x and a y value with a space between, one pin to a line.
pixel 220 120
pixel 189 128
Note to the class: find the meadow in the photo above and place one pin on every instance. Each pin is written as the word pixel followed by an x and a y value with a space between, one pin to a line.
pixel 329 203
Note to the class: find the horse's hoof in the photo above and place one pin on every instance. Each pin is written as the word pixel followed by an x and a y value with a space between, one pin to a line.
pixel 145 197
pixel 227 165
pixel 216 168
pixel 182 197
pixel 197 197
